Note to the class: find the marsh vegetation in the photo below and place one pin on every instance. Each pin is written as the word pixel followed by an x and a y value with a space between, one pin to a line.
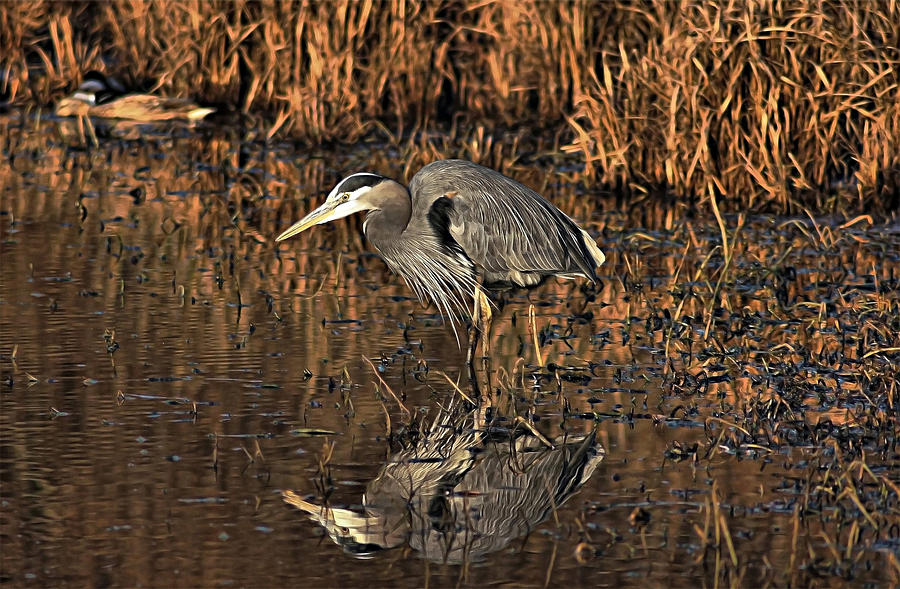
pixel 170 377
pixel 770 106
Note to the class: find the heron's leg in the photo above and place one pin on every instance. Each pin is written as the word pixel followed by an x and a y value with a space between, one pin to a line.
pixel 474 333
pixel 474 330
pixel 487 318
pixel 473 382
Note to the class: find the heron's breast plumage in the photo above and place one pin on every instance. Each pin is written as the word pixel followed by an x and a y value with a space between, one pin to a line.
pixel 434 268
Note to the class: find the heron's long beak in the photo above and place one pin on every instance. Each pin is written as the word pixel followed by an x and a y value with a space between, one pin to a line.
pixel 323 214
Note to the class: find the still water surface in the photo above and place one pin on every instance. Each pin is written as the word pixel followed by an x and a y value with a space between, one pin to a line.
pixel 169 371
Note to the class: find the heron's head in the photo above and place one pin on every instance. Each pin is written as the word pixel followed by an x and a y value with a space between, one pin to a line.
pixel 353 194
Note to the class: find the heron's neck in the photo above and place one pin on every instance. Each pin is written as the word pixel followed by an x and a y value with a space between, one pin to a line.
pixel 391 217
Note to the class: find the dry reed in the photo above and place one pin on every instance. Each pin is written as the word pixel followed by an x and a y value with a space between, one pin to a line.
pixel 768 105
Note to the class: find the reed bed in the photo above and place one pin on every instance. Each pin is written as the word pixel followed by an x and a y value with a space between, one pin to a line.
pixel 767 105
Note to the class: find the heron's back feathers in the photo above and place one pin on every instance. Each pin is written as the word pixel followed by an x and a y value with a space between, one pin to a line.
pixel 510 232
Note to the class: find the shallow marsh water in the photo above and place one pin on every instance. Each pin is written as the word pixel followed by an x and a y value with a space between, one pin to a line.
pixel 168 371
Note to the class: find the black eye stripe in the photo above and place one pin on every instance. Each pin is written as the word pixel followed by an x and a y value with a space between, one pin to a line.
pixel 357 181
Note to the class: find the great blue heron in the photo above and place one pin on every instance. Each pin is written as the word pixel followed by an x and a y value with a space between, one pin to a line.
pixel 459 228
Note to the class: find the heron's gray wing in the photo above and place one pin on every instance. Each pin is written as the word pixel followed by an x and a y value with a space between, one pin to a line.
pixel 507 229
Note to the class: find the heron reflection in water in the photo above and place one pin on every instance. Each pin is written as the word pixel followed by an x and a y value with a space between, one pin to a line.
pixel 459 229
pixel 462 492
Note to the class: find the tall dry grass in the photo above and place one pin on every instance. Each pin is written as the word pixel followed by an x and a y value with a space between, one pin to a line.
pixel 764 105
pixel 769 103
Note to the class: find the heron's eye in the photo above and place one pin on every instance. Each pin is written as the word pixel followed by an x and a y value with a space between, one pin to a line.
pixel 345 197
